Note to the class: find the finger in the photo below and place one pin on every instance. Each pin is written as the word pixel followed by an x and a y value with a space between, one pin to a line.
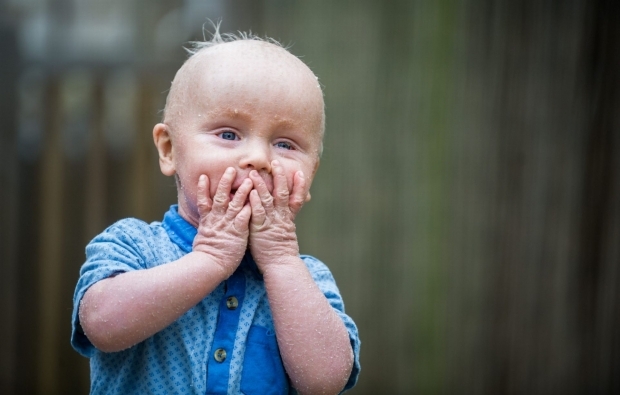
pixel 262 191
pixel 202 196
pixel 220 200
pixel 280 185
pixel 238 202
pixel 298 197
pixel 258 211
pixel 242 220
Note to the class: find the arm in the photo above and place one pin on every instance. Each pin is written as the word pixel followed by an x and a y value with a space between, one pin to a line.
pixel 120 311
pixel 313 341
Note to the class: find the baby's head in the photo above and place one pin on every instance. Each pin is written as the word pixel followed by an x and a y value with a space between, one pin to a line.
pixel 239 102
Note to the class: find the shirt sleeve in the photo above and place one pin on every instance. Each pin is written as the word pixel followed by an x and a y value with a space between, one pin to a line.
pixel 112 252
pixel 325 280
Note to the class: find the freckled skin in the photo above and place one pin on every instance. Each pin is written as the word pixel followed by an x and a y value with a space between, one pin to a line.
pixel 242 134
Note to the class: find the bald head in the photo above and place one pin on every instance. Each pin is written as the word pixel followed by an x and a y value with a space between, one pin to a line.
pixel 247 71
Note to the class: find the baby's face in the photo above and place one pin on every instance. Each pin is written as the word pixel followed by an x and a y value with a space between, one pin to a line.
pixel 244 109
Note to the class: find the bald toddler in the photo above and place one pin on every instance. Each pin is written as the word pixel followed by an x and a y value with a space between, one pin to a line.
pixel 215 298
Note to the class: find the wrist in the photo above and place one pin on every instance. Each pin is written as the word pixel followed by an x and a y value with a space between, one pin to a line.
pixel 221 266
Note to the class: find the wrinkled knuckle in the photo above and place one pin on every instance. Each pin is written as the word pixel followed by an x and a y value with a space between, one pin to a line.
pixel 260 213
pixel 282 194
pixel 218 199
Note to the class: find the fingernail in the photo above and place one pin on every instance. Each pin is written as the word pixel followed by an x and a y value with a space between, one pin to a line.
pixel 229 170
pixel 254 173
pixel 275 163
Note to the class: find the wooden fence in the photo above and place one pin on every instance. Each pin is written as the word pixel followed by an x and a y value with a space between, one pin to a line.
pixel 468 199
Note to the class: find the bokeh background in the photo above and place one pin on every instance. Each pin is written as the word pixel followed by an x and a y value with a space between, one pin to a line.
pixel 468 200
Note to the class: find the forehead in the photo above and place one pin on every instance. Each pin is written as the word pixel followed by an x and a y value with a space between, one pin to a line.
pixel 252 73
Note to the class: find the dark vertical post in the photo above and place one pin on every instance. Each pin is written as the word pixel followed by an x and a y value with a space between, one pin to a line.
pixel 601 65
pixel 9 69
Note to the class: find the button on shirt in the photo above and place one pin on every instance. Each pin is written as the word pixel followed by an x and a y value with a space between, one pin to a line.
pixel 226 344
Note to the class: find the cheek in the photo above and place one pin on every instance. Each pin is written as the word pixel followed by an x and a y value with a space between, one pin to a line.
pixel 290 175
pixel 190 171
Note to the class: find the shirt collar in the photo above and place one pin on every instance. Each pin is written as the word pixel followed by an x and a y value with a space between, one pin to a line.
pixel 182 233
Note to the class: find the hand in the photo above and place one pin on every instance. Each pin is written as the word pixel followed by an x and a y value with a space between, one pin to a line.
pixel 223 228
pixel 272 230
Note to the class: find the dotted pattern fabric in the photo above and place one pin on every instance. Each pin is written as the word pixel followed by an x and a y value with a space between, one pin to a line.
pixel 179 359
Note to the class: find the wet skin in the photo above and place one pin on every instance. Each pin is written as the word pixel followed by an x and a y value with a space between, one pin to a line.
pixel 242 134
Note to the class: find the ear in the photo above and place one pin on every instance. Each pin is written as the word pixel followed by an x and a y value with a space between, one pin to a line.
pixel 163 142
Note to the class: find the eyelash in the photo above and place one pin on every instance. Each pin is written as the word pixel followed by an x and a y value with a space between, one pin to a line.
pixel 289 146
pixel 226 132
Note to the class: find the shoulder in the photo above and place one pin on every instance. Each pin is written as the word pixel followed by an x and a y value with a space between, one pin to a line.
pixel 134 228
pixel 131 231
pixel 130 239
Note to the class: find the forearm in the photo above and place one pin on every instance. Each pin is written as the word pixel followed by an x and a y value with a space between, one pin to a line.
pixel 313 341
pixel 121 311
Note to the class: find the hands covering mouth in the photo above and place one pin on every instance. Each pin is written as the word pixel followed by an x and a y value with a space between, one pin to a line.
pixel 250 214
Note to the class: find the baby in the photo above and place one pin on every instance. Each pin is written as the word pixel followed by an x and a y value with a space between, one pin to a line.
pixel 216 298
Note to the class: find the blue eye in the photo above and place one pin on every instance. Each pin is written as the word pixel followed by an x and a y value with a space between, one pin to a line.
pixel 284 144
pixel 228 135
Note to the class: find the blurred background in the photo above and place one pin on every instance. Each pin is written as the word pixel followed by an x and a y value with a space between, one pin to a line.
pixel 468 200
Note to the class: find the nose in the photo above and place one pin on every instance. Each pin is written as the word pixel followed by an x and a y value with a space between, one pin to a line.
pixel 256 156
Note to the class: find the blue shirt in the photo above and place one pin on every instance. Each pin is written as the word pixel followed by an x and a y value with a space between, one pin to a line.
pixel 226 344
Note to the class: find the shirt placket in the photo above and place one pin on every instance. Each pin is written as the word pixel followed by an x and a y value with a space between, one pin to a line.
pixel 218 364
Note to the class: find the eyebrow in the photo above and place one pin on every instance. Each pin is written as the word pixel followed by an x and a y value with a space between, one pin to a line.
pixel 247 116
pixel 232 113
